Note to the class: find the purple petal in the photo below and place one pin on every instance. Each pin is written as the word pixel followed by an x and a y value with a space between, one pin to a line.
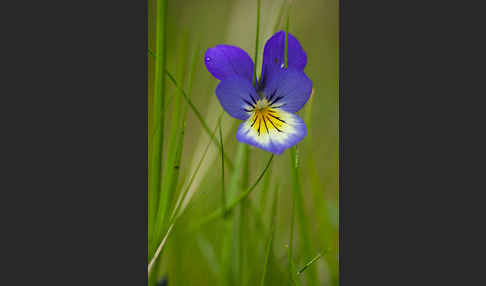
pixel 236 95
pixel 288 90
pixel 274 52
pixel 225 61
pixel 273 138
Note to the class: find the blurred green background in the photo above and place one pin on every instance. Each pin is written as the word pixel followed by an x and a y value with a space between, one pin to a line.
pixel 202 256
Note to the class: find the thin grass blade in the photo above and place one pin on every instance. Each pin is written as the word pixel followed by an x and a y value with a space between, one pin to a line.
pixel 200 118
pixel 214 215
pixel 159 249
pixel 306 242
pixel 271 236
pixel 178 210
pixel 158 115
pixel 318 256
pixel 223 196
pixel 174 152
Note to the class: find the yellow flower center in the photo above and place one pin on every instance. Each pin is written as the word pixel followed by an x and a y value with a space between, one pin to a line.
pixel 265 118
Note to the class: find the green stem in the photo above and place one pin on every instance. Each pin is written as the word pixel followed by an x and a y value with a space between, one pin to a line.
pixel 271 235
pixel 301 217
pixel 158 114
pixel 318 256
pixel 199 116
pixel 175 140
pixel 223 198
pixel 176 212
pixel 235 202
pixel 291 239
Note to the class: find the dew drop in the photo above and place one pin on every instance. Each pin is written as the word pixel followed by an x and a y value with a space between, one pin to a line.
pixel 282 66
pixel 208 59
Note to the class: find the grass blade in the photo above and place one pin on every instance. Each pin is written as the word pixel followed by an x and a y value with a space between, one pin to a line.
pixel 265 187
pixel 299 209
pixel 235 202
pixel 174 148
pixel 180 141
pixel 171 168
pixel 158 114
pixel 223 198
pixel 242 209
pixel 318 256
pixel 201 119
pixel 291 240
pixel 256 43
pixel 177 210
pixel 287 34
pixel 271 236
pixel 232 241
pixel 297 202
pixel 226 277
pixel 159 249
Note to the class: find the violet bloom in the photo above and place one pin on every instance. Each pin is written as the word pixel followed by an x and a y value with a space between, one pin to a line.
pixel 268 108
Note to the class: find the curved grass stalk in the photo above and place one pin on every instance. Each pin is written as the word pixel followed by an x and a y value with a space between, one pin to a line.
pixel 235 202
pixel 201 119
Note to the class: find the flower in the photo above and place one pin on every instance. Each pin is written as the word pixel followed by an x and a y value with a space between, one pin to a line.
pixel 268 108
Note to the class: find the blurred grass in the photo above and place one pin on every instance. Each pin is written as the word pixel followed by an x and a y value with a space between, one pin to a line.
pixel 248 246
pixel 156 116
